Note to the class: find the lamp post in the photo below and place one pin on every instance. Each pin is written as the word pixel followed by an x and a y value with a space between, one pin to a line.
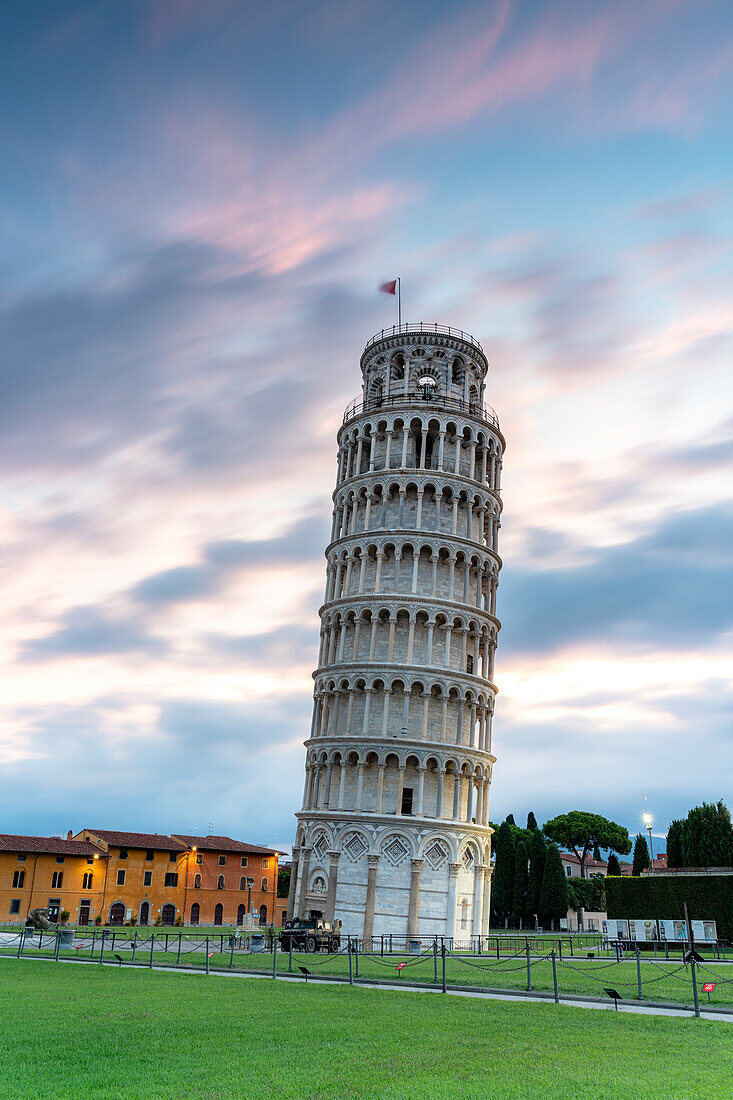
pixel 648 822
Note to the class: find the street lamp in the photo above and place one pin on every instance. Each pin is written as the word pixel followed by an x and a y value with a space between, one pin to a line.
pixel 648 822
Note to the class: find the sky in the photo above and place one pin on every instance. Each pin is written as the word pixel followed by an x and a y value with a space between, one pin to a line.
pixel 198 201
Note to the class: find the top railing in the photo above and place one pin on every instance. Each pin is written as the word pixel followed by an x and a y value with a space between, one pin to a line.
pixel 446 330
pixel 417 397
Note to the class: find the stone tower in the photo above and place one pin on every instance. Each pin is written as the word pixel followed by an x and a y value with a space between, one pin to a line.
pixel 393 835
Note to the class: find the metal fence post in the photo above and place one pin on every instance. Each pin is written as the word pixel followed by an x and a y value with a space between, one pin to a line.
pixel 113 940
pixel 694 985
pixel 290 955
pixel 435 961
pixel 356 955
pixel 351 964
pixel 207 954
pixel 639 994
pixel 152 948
pixel 94 943
pixel 57 946
pixel 180 944
pixel 101 948
pixel 134 946
pixel 445 987
pixel 274 956
pixel 529 970
pixel 554 976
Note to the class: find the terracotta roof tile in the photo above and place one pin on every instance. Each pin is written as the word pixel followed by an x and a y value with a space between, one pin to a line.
pixel 223 844
pixel 157 841
pixel 47 845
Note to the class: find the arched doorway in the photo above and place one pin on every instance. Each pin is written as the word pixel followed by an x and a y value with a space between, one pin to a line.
pixel 219 914
pixel 145 912
pixel 241 913
pixel 168 914
pixel 117 913
pixel 195 913
pixel 263 914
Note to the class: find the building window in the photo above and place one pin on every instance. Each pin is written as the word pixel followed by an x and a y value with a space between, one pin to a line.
pixel 171 857
pixel 56 879
pixel 90 859
pixel 149 855
pixel 199 857
pixel 59 859
pixel 568 871
pixel 147 878
pixel 244 860
pixel 222 861
pixel 171 878
pixel 264 885
pixel 220 882
pixel 86 883
pixel 15 905
pixel 120 878
pixel 265 864
pixel 243 882
pixel 123 853
pixel 18 879
pixel 406 801
pixel 22 858
pixel 197 882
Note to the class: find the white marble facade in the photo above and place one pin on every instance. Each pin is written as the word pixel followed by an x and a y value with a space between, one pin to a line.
pixel 393 836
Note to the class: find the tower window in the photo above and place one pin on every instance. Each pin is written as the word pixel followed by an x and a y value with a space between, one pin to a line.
pixel 406 801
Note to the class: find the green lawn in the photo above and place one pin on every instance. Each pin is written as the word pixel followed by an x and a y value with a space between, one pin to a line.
pixel 105 1034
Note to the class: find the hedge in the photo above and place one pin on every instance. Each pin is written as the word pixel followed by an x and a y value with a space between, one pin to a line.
pixel 661 897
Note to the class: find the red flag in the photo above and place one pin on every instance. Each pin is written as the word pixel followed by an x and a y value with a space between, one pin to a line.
pixel 389 288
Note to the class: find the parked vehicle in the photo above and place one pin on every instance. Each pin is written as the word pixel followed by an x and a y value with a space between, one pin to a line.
pixel 311 934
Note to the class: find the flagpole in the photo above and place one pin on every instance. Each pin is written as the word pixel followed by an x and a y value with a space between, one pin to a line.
pixel 399 304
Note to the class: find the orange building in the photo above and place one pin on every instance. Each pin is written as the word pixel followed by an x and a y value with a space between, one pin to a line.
pixel 226 879
pixel 41 872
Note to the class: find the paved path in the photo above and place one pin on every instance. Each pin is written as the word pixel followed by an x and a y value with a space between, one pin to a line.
pixel 566 1002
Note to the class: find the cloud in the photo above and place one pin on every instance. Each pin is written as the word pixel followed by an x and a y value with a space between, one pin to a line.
pixel 92 632
pixel 670 587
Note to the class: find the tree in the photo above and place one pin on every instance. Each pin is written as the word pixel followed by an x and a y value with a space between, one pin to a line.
pixel 502 890
pixel 283 881
pixel 532 822
pixel 554 890
pixel 675 834
pixel 521 878
pixel 641 855
pixel 581 831
pixel 707 837
pixel 614 867
pixel 537 853
pixel 596 853
pixel 588 893
pixel 510 819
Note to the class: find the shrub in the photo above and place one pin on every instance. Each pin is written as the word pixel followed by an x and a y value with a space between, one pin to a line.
pixel 98 921
pixel 65 916
pixel 179 921
pixel 158 921
pixel 662 897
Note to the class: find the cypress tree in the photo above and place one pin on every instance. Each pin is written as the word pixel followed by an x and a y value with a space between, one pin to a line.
pixel 503 884
pixel 537 852
pixel 707 838
pixel 521 878
pixel 674 843
pixel 614 867
pixel 532 822
pixel 554 890
pixel 641 856
pixel 510 819
pixel 597 854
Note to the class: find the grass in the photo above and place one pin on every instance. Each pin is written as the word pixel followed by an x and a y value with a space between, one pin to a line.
pixel 103 1034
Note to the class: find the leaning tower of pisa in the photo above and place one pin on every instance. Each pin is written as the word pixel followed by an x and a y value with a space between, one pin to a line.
pixel 393 835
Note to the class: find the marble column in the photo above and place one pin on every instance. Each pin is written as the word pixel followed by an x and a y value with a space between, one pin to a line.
pixel 332 882
pixel 293 882
pixel 450 923
pixel 371 892
pixel 414 904
pixel 305 862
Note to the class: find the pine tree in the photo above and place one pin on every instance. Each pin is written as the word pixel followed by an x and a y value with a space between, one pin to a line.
pixel 521 877
pixel 641 856
pixel 675 835
pixel 614 867
pixel 537 853
pixel 502 888
pixel 532 822
pixel 554 890
pixel 597 854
